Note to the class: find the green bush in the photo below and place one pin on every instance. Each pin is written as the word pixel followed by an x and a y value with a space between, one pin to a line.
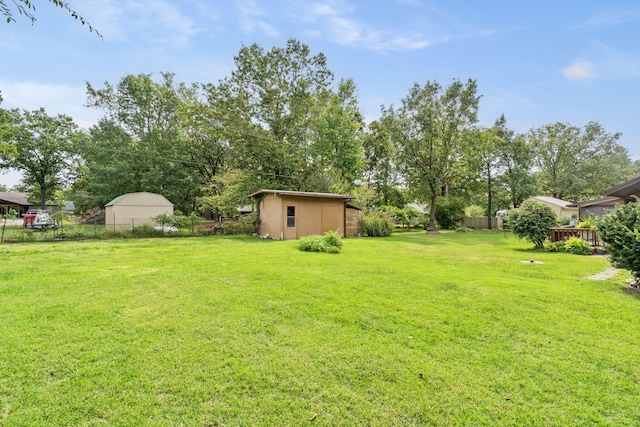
pixel 589 222
pixel 577 246
pixel 330 242
pixel 554 246
pixel 377 224
pixel 449 211
pixel 532 222
pixel 404 217
pixel 464 230
pixel 475 211
pixel 619 231
pixel 246 224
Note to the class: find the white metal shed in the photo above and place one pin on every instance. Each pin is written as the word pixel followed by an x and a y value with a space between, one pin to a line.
pixel 135 209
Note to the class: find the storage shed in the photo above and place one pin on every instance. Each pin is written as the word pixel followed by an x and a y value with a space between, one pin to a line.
pixel 288 215
pixel 135 209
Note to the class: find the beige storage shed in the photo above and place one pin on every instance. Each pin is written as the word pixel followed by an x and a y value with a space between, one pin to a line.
pixel 135 209
pixel 288 215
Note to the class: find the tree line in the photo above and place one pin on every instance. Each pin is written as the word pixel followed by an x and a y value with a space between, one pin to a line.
pixel 280 120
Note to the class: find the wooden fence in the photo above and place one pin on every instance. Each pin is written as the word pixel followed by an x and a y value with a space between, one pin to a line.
pixel 480 223
pixel 586 234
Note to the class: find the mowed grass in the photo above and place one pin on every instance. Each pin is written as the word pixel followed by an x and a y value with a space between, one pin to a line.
pixel 449 329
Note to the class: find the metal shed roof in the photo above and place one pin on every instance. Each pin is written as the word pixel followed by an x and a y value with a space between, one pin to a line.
pixel 302 194
pixel 145 193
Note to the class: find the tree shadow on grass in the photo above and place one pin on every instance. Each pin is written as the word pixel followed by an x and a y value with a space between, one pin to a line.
pixel 631 291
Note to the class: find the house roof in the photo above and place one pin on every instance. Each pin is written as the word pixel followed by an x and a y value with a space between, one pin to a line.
pixel 626 189
pixel 603 201
pixel 553 201
pixel 302 194
pixel 15 198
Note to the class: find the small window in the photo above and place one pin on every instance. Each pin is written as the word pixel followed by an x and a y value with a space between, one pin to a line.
pixel 291 216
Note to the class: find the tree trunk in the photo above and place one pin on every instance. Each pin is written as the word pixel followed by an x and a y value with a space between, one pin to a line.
pixel 431 227
pixel 43 196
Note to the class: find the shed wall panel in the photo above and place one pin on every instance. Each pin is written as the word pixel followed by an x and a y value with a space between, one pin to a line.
pixel 271 216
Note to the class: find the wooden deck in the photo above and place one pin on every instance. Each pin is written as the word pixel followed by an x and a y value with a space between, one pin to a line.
pixel 586 234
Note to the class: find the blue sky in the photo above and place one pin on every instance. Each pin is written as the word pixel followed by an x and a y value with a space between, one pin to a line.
pixel 537 62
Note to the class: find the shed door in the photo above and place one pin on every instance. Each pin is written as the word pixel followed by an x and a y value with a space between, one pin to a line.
pixel 331 218
pixel 291 221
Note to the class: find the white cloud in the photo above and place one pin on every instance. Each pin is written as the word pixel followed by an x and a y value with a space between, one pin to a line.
pixel 250 18
pixel 55 99
pixel 579 70
pixel 157 21
pixel 608 20
pixel 332 16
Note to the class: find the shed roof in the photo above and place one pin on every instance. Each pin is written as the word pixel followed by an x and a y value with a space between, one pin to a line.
pixel 302 194
pixel 553 201
pixel 14 197
pixel 158 197
pixel 626 189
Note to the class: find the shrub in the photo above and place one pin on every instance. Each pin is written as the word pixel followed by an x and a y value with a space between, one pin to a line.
pixel 330 242
pixel 619 231
pixel 475 211
pixel 449 211
pixel 554 246
pixel 464 230
pixel 377 224
pixel 577 246
pixel 532 222
pixel 246 224
pixel 589 222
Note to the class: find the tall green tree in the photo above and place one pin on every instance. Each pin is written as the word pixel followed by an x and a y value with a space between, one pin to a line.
pixel 278 93
pixel 515 161
pixel 44 150
pixel 143 132
pixel 578 163
pixel 381 173
pixel 428 132
pixel 336 138
pixel 483 148
pixel 8 120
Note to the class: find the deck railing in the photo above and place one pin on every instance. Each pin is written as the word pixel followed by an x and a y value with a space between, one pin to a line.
pixel 586 234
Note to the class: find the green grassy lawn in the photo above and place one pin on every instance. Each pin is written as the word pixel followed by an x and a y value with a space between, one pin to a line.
pixel 415 329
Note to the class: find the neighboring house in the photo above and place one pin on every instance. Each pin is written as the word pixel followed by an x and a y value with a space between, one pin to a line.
pixel 626 190
pixel 14 200
pixel 597 207
pixel 562 208
pixel 288 215
pixel 135 209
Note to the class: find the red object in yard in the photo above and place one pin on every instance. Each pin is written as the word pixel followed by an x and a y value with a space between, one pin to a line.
pixel 30 217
